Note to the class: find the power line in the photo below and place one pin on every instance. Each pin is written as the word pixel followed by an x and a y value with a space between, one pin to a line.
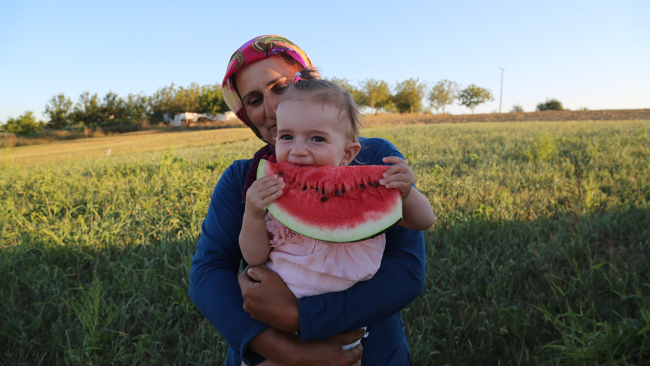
pixel 501 95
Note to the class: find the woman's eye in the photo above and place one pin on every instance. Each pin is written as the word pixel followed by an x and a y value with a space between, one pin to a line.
pixel 254 101
pixel 281 88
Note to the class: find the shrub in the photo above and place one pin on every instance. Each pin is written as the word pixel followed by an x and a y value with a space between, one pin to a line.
pixel 24 125
pixel 550 105
pixel 516 109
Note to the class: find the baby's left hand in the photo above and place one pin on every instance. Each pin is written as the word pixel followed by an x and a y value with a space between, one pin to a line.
pixel 399 176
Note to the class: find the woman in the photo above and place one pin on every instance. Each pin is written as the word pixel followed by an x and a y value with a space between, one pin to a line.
pixel 257 313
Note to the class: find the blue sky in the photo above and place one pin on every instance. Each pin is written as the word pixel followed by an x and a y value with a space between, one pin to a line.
pixel 593 54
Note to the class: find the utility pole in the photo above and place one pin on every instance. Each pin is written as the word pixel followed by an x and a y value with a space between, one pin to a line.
pixel 501 96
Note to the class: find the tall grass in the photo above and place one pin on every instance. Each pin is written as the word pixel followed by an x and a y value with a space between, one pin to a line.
pixel 539 256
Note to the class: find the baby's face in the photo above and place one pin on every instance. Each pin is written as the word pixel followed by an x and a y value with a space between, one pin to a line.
pixel 311 133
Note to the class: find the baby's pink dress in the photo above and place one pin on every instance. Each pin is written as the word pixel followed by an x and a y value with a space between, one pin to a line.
pixel 313 267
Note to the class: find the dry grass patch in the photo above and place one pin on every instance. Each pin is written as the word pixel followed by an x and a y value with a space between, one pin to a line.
pixel 128 143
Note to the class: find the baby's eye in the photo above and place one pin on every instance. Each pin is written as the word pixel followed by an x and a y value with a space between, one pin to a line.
pixel 318 139
pixel 286 137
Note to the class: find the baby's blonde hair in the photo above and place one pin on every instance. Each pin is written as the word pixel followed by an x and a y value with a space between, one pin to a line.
pixel 311 87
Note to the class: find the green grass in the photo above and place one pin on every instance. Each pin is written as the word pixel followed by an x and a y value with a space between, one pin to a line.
pixel 539 256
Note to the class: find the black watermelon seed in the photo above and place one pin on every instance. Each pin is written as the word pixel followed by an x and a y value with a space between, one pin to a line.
pixel 336 193
pixel 323 199
pixel 362 186
pixel 304 188
pixel 342 190
pixel 323 191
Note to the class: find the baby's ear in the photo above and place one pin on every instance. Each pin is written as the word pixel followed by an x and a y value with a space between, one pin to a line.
pixel 350 152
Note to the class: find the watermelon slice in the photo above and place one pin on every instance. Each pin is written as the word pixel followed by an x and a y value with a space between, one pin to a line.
pixel 333 203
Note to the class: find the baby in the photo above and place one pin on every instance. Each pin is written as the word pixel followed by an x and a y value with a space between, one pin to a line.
pixel 318 123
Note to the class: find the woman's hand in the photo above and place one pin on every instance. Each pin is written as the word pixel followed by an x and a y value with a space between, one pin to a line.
pixel 261 194
pixel 399 176
pixel 285 349
pixel 268 299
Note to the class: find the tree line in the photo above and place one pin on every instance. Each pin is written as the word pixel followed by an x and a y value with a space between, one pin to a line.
pixel 113 110
pixel 91 110
pixel 408 95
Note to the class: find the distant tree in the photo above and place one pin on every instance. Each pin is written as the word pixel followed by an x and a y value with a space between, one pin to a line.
pixel 443 94
pixel 58 111
pixel 211 100
pixel 161 104
pixel 187 99
pixel 408 95
pixel 88 110
pixel 23 125
pixel 136 107
pixel 473 96
pixel 114 109
pixel 516 108
pixel 375 94
pixel 390 107
pixel 550 105
pixel 353 90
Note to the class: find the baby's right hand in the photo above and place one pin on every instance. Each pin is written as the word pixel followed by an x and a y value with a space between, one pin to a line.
pixel 261 194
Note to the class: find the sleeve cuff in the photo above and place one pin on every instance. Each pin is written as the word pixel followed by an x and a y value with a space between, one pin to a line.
pixel 306 320
pixel 249 357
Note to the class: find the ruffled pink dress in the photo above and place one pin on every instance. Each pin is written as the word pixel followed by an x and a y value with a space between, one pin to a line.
pixel 313 267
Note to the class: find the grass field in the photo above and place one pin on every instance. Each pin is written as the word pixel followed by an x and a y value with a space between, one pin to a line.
pixel 539 256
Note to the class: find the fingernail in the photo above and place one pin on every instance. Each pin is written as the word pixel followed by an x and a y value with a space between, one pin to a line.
pixel 381 181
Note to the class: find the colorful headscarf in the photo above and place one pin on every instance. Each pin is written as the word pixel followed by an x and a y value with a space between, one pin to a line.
pixel 257 49
pixel 252 51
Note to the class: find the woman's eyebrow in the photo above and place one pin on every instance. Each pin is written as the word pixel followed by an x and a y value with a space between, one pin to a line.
pixel 268 84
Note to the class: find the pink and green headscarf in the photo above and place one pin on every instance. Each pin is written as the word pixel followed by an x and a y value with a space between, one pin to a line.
pixel 252 51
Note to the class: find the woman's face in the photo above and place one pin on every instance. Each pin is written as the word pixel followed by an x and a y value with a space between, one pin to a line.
pixel 260 86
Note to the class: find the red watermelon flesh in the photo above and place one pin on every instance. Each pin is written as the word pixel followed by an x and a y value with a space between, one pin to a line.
pixel 333 203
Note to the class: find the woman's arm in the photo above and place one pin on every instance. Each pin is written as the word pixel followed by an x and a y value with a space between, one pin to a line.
pixel 214 286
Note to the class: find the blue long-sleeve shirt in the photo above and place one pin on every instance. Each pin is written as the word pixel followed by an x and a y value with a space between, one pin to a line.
pixel 374 303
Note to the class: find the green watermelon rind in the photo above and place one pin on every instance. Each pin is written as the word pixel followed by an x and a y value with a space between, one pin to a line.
pixel 339 235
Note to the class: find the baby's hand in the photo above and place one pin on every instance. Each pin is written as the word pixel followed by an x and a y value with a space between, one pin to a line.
pixel 261 194
pixel 399 176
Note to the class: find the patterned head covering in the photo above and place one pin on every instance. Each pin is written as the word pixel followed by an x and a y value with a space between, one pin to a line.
pixel 256 49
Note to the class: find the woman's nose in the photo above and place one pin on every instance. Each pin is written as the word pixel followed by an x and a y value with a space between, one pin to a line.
pixel 271 106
